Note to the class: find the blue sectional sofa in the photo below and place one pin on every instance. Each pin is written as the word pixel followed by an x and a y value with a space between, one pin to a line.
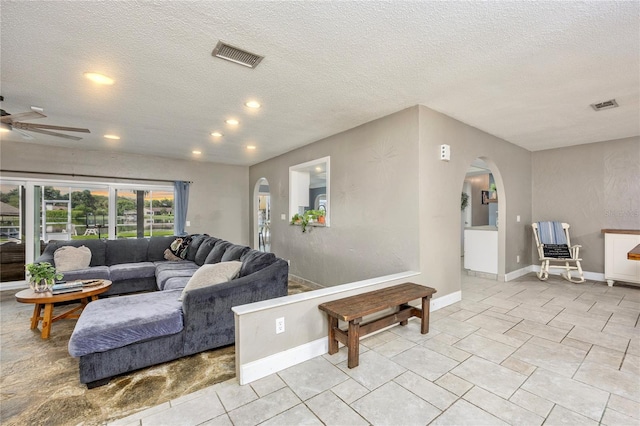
pixel 116 335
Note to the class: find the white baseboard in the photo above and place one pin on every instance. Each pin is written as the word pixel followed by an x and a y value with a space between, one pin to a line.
pixel 444 301
pixel 277 362
pixel 593 276
pixel 519 272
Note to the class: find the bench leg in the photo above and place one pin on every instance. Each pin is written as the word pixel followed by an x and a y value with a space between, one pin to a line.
pixel 333 343
pixel 424 324
pixel 353 343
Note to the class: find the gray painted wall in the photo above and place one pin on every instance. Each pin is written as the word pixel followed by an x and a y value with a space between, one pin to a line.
pixel 218 197
pixel 373 205
pixel 443 180
pixel 591 187
pixel 479 211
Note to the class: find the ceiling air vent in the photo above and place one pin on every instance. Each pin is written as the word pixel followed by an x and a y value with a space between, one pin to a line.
pixel 605 105
pixel 239 56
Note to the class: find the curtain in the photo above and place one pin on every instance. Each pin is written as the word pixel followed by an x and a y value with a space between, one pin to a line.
pixel 181 204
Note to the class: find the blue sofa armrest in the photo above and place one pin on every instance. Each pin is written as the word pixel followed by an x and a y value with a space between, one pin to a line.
pixel 208 319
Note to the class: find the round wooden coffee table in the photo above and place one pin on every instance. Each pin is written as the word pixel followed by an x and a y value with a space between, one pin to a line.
pixel 47 299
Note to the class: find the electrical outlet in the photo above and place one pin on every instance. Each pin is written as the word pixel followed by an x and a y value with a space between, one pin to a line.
pixel 188 223
pixel 283 216
pixel 279 325
pixel 518 259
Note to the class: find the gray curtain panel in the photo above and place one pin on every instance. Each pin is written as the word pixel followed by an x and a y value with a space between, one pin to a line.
pixel 181 204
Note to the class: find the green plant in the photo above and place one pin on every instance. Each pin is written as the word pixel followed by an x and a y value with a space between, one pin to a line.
pixel 464 201
pixel 492 187
pixel 42 271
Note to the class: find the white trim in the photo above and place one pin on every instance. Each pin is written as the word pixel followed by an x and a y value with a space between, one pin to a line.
pixel 593 276
pixel 519 273
pixel 288 300
pixel 13 285
pixel 263 367
pixel 277 362
pixel 446 300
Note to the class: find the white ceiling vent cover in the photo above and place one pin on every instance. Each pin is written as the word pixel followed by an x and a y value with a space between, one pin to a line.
pixel 605 105
pixel 234 54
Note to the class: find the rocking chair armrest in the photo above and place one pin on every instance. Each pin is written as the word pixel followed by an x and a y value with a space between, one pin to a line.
pixel 575 250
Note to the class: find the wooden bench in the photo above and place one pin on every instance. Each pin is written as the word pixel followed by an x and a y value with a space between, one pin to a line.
pixel 352 309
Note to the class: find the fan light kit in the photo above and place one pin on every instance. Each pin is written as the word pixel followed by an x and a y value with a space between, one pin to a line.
pixel 232 122
pixel 16 122
pixel 99 78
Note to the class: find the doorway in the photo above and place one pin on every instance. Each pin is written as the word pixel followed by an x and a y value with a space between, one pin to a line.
pixel 481 234
pixel 262 228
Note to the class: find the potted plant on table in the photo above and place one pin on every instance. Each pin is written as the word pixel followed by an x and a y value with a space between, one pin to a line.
pixel 42 276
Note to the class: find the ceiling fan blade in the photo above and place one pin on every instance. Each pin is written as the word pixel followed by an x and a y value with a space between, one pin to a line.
pixel 46 132
pixel 29 126
pixel 24 134
pixel 12 118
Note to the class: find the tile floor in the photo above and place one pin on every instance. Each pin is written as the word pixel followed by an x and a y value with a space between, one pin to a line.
pixel 521 353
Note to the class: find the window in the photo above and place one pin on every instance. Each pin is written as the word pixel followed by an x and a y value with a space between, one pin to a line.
pixel 309 185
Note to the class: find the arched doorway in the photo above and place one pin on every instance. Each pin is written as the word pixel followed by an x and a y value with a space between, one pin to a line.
pixel 482 238
pixel 262 219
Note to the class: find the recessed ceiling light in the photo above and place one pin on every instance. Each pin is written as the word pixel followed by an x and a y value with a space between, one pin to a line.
pixel 98 78
pixel 114 137
pixel 252 104
pixel 216 134
pixel 232 122
pixel 251 147
pixel 318 169
pixel 196 152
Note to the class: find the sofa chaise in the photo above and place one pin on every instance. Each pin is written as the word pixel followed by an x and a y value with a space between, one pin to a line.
pixel 116 335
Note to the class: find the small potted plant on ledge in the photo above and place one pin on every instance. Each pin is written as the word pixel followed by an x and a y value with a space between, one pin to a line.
pixel 42 276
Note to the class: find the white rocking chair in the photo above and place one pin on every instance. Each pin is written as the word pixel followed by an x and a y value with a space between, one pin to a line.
pixel 560 254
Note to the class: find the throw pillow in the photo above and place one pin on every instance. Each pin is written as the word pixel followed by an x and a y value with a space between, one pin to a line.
pixel 168 254
pixel 69 258
pixel 212 274
pixel 180 245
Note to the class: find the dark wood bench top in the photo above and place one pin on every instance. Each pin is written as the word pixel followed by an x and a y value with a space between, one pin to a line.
pixel 374 301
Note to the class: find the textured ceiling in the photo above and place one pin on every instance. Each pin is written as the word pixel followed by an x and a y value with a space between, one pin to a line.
pixel 524 71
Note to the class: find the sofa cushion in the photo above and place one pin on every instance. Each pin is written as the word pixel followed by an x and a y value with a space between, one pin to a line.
pixel 217 252
pixel 69 258
pixel 255 260
pixel 126 271
pixel 204 250
pixel 126 251
pixel 92 272
pixel 157 246
pixel 176 283
pixel 174 266
pixel 212 274
pixel 234 252
pixel 119 321
pixel 163 276
pixel 192 249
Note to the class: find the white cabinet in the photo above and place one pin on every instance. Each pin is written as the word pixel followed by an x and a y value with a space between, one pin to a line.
pixel 617 243
pixel 481 249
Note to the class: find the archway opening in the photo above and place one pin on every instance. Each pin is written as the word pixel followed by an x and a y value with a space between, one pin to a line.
pixel 482 238
pixel 262 219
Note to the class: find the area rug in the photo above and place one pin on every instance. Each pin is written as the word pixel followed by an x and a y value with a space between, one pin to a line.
pixel 39 382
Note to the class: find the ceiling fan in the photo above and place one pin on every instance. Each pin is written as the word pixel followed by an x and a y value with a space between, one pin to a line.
pixel 14 121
